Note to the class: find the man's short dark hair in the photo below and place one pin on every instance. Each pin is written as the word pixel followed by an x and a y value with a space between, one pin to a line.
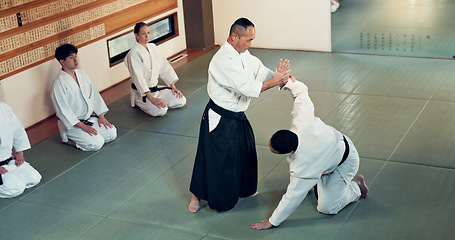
pixel 240 26
pixel 137 27
pixel 284 141
pixel 64 51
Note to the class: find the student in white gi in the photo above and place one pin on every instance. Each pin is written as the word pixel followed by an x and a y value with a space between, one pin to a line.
pixel 146 64
pixel 78 105
pixel 225 167
pixel 319 155
pixel 15 173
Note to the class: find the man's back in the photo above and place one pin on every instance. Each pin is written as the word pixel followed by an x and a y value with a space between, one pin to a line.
pixel 320 146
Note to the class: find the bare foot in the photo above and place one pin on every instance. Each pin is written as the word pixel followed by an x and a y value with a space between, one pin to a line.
pixel 194 205
pixel 70 142
pixel 360 180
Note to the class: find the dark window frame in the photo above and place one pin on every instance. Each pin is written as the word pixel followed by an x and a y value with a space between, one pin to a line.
pixel 114 60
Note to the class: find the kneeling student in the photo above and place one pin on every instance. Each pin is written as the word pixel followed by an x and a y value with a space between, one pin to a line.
pixel 78 105
pixel 319 155
pixel 146 64
pixel 15 173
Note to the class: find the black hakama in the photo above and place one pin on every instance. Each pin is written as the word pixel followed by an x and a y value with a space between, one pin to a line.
pixel 226 161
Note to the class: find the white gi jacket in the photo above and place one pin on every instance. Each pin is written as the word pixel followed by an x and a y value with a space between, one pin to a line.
pixel 12 133
pixel 74 102
pixel 319 152
pixel 146 67
pixel 234 78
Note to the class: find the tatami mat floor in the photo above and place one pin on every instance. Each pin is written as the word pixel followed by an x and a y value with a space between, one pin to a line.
pixel 395 27
pixel 398 111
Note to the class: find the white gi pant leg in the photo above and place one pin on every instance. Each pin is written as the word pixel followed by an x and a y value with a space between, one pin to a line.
pixel 17 179
pixel 336 190
pixel 166 96
pixel 86 142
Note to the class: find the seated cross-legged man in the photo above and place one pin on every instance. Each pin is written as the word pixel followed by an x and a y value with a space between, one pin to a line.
pixel 78 105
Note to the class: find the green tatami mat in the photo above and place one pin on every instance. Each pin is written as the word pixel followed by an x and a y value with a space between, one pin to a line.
pixel 431 140
pixel 104 181
pixel 408 202
pixel 375 124
pixel 111 229
pixel 34 221
pixel 398 112
pixel 395 27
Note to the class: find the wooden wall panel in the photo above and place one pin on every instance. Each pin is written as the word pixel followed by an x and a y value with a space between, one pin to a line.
pixel 30 32
pixel 128 17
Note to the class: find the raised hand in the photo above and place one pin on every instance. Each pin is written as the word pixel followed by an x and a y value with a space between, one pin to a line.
pixel 280 76
pixel 282 72
pixel 283 66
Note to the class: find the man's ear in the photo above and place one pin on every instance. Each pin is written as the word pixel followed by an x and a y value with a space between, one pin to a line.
pixel 233 36
pixel 61 61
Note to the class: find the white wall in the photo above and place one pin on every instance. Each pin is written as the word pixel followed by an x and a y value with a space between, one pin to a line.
pixel 28 92
pixel 280 24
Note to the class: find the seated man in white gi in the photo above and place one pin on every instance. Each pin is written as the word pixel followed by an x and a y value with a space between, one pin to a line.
pixel 319 155
pixel 146 64
pixel 15 173
pixel 78 105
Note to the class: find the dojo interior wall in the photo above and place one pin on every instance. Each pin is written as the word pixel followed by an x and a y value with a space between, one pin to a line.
pixel 285 24
pixel 288 24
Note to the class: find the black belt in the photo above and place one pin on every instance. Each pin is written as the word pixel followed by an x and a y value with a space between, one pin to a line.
pixel 4 163
pixel 345 156
pixel 226 113
pixel 87 122
pixel 152 89
pixel 346 151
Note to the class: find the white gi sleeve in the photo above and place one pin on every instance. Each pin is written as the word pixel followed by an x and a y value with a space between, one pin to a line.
pixel 263 73
pixel 166 72
pixel 230 74
pixel 297 190
pixel 99 106
pixel 20 142
pixel 63 107
pixel 303 110
pixel 87 87
pixel 135 66
pixel 12 133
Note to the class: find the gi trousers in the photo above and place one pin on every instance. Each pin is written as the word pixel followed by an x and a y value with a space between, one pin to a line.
pixel 83 140
pixel 336 190
pixel 166 96
pixel 17 179
pixel 225 167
